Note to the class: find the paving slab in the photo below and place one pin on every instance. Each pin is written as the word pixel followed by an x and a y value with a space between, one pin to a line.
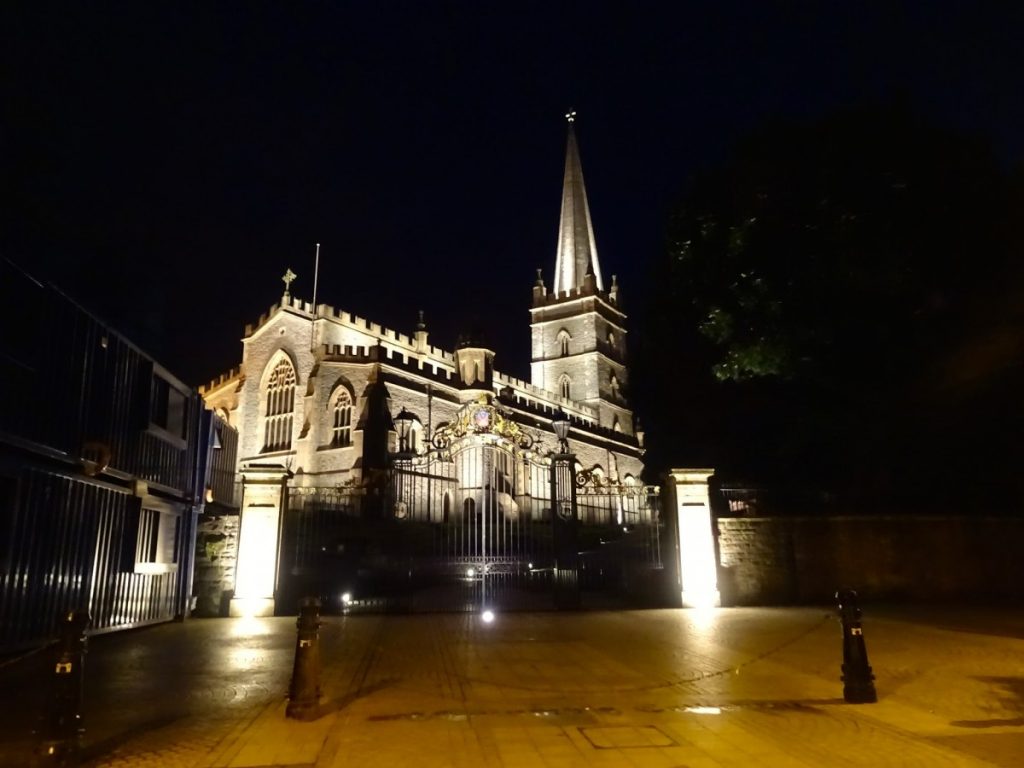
pixel 721 688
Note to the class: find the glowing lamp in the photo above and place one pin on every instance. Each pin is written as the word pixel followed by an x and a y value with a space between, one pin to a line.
pixel 561 426
pixel 403 425
pixel 487 616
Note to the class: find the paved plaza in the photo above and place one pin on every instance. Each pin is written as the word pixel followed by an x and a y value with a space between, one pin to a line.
pixel 666 688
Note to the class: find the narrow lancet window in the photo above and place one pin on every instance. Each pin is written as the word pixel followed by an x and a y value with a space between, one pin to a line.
pixel 341 434
pixel 565 387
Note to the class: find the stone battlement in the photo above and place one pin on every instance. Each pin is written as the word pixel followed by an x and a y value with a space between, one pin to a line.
pixel 355 322
pixel 408 357
pixel 337 353
pixel 541 297
pixel 224 378
pixel 581 422
pixel 569 406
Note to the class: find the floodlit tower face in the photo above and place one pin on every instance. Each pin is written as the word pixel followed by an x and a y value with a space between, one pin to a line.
pixel 578 330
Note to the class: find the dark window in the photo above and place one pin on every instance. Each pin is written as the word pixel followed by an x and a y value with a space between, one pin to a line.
pixel 168 407
pixel 156 540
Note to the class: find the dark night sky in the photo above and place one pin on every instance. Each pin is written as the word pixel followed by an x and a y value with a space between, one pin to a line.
pixel 165 166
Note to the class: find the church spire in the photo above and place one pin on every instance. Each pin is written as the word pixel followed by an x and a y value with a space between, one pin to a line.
pixel 577 251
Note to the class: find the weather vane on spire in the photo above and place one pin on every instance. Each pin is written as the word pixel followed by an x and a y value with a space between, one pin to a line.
pixel 571 116
pixel 287 280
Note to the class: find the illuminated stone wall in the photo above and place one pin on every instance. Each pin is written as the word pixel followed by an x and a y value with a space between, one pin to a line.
pixel 775 560
pixel 356 350
pixel 216 555
pixel 587 317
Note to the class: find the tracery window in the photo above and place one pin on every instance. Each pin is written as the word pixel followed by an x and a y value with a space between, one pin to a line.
pixel 565 386
pixel 341 407
pixel 277 435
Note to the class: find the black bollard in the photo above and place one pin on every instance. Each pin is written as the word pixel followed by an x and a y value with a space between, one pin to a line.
pixel 858 680
pixel 60 733
pixel 304 693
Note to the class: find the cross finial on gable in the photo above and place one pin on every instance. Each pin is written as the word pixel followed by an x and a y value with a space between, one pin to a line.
pixel 287 280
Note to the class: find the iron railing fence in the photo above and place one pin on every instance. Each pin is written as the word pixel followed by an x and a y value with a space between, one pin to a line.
pixel 441 530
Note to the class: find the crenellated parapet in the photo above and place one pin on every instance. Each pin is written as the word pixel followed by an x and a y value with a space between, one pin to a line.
pixel 545 398
pixel 582 418
pixel 338 353
pixel 225 378
pixel 588 288
pixel 325 312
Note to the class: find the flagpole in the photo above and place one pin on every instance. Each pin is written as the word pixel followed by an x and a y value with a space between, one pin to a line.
pixel 316 275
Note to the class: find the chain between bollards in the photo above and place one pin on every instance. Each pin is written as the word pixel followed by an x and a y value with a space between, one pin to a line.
pixel 304 693
pixel 61 729
pixel 858 679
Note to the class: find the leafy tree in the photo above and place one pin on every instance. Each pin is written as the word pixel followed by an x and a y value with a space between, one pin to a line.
pixel 823 283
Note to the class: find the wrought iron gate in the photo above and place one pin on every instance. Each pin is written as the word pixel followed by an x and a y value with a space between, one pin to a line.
pixel 466 525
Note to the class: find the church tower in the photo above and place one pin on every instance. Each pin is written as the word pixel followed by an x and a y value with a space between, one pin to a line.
pixel 578 330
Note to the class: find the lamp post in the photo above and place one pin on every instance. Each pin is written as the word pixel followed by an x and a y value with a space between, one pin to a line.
pixel 561 426
pixel 403 425
pixel 403 459
pixel 563 518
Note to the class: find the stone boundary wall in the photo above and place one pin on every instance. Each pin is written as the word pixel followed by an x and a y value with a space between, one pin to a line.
pixel 216 553
pixel 779 560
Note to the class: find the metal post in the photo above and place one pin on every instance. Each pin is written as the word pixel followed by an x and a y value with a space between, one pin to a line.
pixel 858 680
pixel 62 728
pixel 304 693
pixel 563 523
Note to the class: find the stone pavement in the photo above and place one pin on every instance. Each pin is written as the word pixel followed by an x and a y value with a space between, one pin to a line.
pixel 665 688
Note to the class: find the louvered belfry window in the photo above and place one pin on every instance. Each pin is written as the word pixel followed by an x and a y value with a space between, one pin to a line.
pixel 563 342
pixel 280 404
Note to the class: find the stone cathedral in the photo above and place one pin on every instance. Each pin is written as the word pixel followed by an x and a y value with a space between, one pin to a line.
pixel 340 419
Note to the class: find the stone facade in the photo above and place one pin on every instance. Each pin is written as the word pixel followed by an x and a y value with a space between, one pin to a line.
pixel 424 382
pixel 216 553
pixel 778 560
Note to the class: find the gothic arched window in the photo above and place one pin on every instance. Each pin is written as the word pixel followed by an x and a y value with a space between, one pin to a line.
pixel 613 384
pixel 277 434
pixel 341 407
pixel 563 342
pixel 565 386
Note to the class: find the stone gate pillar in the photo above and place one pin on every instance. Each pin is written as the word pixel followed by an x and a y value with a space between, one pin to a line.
pixel 688 504
pixel 259 539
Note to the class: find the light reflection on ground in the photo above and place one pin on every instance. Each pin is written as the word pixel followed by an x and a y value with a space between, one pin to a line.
pixel 249 626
